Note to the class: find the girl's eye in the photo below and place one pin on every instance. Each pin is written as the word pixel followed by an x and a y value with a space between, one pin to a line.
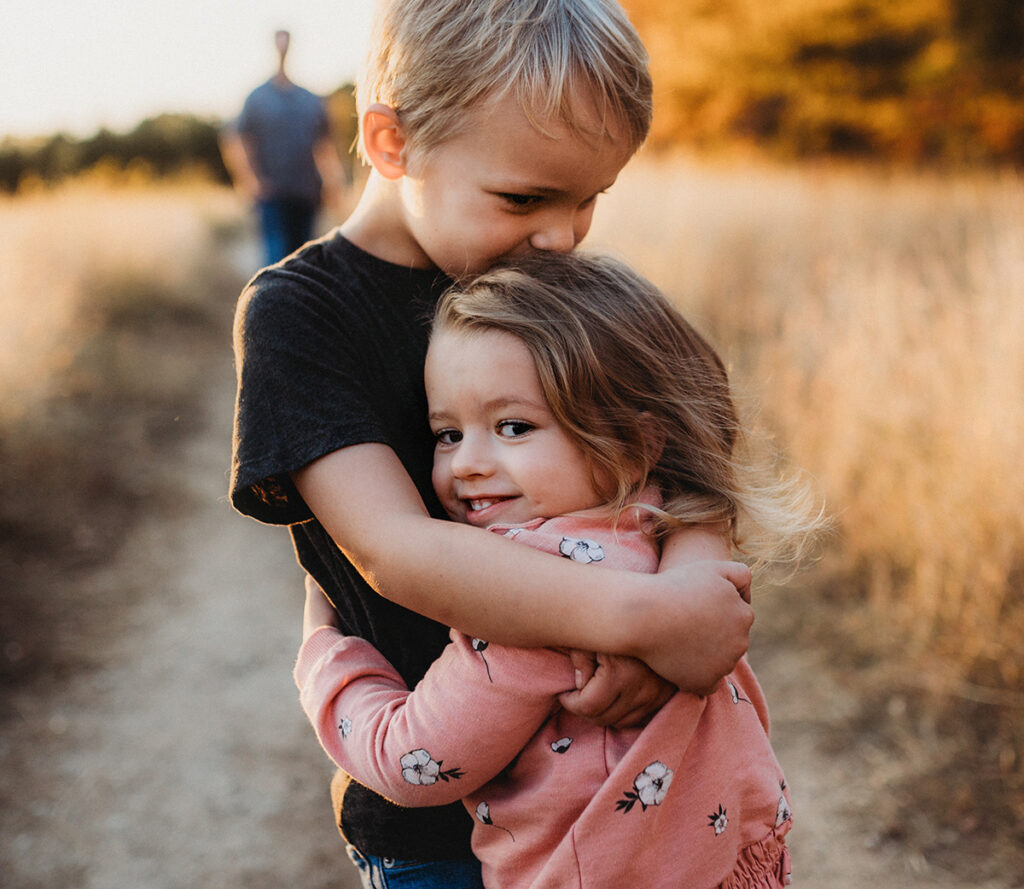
pixel 447 436
pixel 513 428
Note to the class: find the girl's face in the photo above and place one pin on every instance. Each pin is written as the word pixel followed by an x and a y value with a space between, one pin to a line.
pixel 500 455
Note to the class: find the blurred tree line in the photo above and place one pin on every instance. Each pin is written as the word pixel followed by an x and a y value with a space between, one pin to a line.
pixel 914 81
pixel 934 81
pixel 166 145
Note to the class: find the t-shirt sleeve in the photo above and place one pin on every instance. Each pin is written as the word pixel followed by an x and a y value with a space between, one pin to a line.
pixel 243 124
pixel 302 391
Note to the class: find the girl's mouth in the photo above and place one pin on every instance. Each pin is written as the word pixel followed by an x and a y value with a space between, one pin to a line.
pixel 477 505
pixel 480 509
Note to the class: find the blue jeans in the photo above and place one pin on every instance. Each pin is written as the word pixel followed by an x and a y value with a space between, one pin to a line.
pixel 390 873
pixel 286 224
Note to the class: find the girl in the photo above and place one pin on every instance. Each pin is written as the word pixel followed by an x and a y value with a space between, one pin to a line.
pixel 575 411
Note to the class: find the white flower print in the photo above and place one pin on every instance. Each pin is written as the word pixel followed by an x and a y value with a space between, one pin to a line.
pixel 784 812
pixel 649 788
pixel 718 820
pixel 479 646
pixel 561 745
pixel 345 726
pixel 735 692
pixel 652 783
pixel 483 814
pixel 581 550
pixel 419 768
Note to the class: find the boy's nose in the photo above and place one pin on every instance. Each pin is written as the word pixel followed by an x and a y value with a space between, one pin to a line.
pixel 557 234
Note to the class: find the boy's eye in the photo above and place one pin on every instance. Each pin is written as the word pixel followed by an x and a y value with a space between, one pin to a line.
pixel 519 201
pixel 514 428
pixel 447 436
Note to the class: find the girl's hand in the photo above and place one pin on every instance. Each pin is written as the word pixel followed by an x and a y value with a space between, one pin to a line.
pixel 318 611
pixel 618 691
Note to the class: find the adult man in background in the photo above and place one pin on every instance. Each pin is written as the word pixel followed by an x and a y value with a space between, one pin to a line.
pixel 280 155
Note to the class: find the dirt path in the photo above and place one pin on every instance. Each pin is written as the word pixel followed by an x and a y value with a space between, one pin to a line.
pixel 183 759
pixel 836 842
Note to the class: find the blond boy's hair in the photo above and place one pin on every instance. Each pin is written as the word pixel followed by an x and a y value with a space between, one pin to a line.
pixel 433 60
pixel 644 396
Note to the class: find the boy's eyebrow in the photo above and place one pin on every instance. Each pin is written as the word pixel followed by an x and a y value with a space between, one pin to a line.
pixel 526 185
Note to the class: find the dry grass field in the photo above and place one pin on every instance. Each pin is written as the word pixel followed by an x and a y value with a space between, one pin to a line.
pixel 70 257
pixel 877 320
pixel 874 320
pixel 880 320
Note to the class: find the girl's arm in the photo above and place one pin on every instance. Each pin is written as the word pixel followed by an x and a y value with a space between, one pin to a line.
pixel 474 710
pixel 687 623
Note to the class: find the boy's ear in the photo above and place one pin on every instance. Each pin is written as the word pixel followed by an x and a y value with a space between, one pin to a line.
pixel 384 140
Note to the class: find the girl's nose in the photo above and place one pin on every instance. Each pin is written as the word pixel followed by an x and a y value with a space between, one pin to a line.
pixel 472 457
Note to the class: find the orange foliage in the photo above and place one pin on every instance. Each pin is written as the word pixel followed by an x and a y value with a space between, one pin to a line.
pixel 907 81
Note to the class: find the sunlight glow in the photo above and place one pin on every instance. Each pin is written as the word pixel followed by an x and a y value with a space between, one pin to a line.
pixel 76 67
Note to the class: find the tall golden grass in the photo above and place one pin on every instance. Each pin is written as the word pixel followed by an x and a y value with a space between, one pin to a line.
pixel 67 252
pixel 880 322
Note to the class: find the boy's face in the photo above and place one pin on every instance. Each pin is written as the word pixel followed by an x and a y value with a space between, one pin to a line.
pixel 502 189
pixel 500 454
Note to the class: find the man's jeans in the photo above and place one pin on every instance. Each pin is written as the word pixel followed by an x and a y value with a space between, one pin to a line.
pixel 286 224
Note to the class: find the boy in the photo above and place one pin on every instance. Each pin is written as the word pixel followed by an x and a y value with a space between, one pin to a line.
pixel 491 128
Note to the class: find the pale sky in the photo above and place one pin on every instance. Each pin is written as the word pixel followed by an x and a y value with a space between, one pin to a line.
pixel 75 65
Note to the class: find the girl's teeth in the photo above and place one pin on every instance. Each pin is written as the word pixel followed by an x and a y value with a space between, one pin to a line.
pixel 480 504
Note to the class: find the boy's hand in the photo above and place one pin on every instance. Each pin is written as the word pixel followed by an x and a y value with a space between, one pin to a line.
pixel 618 691
pixel 696 624
pixel 318 611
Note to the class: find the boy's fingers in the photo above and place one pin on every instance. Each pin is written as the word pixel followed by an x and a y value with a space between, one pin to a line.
pixel 740 576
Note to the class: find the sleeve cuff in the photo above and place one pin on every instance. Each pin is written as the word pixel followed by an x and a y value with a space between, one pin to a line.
pixel 316 646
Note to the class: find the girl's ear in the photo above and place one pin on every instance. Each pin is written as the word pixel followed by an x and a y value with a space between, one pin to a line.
pixel 654 438
pixel 384 140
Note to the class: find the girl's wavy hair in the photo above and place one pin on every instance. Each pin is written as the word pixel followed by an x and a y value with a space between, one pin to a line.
pixel 644 395
pixel 433 60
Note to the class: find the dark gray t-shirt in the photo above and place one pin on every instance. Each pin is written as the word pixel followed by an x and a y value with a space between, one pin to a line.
pixel 282 123
pixel 330 347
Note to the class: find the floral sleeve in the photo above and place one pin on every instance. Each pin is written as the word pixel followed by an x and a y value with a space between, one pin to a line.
pixel 465 721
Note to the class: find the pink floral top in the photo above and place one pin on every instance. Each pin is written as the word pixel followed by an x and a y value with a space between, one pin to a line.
pixel 696 798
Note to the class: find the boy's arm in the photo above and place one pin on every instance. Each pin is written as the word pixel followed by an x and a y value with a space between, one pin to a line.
pixel 474 710
pixel 687 623
pixel 622 691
